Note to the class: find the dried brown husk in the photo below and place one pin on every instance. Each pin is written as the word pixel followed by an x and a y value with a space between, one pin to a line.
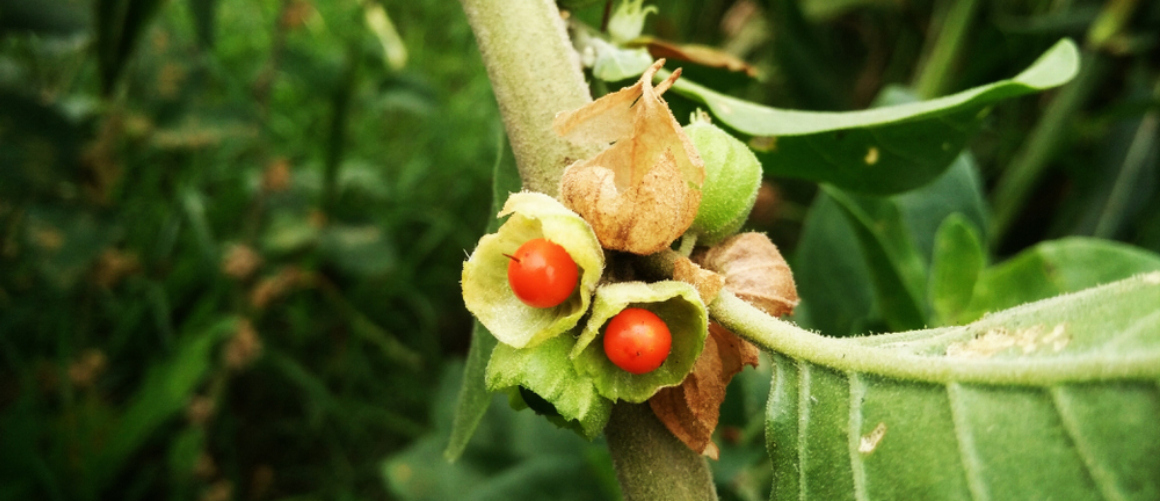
pixel 754 271
pixel 707 283
pixel 691 411
pixel 642 192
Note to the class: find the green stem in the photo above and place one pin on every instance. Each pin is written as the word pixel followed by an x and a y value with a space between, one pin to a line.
pixel 860 355
pixel 535 74
pixel 936 69
pixel 650 462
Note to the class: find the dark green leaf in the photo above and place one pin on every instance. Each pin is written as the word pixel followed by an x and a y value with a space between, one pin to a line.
pixel 166 390
pixel 119 24
pixel 896 270
pixel 59 17
pixel 836 281
pixel 881 150
pixel 204 13
pixel 1054 399
pixel 959 258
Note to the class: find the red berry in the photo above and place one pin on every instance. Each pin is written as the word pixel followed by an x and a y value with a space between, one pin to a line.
pixel 542 274
pixel 637 340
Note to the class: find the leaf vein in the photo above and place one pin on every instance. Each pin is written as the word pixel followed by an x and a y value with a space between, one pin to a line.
pixel 972 465
pixel 1105 480
pixel 857 466
pixel 803 426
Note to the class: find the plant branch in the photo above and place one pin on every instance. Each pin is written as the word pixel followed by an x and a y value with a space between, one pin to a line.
pixel 535 74
pixel 650 462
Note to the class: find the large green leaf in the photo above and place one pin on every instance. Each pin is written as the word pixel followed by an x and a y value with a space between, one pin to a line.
pixel 1051 400
pixel 881 150
pixel 1053 268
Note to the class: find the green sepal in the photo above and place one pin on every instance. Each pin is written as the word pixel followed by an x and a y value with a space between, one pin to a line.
pixel 732 178
pixel 546 371
pixel 678 305
pixel 487 293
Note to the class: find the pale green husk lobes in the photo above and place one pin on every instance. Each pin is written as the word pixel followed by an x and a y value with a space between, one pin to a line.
pixel 676 303
pixel 486 291
pixel 732 178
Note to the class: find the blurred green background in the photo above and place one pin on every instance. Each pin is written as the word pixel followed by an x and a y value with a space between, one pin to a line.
pixel 231 232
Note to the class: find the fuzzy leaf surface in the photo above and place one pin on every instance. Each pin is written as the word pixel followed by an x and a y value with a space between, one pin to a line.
pixel 1056 399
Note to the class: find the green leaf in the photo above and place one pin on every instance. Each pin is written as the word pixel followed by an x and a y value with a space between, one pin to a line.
pixel 59 17
pixel 166 391
pixel 676 303
pixel 882 150
pixel 1056 399
pixel 474 399
pixel 614 64
pixel 1053 268
pixel 958 260
pixel 204 14
pixel 119 24
pixel 835 280
pixel 547 371
pixel 473 395
pixel 896 270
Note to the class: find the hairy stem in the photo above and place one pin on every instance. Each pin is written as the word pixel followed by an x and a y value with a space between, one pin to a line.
pixel 535 74
pixel 650 462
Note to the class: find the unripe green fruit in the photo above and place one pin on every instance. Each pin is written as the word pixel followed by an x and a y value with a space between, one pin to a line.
pixel 732 178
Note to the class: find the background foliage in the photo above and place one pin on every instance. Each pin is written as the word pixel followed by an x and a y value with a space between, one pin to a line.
pixel 231 232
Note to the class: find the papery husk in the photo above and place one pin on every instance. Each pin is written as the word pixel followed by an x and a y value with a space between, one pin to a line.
pixel 691 411
pixel 754 271
pixel 707 283
pixel 642 192
pixel 487 293
pixel 678 306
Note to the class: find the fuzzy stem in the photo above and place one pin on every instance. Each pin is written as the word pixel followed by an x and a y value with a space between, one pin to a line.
pixel 535 74
pixel 650 462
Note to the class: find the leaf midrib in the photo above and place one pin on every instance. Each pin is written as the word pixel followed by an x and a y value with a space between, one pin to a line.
pixel 849 355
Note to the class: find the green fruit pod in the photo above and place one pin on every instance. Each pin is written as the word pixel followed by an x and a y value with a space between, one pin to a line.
pixel 488 294
pixel 732 179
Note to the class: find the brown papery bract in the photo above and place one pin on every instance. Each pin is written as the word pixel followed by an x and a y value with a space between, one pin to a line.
pixel 691 411
pixel 643 191
pixel 754 271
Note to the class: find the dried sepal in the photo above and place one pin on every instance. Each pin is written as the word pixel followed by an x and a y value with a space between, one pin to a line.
pixel 755 271
pixel 676 303
pixel 487 293
pixel 691 411
pixel 707 283
pixel 642 192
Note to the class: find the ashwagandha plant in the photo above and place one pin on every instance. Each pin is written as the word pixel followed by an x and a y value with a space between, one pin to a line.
pixel 663 302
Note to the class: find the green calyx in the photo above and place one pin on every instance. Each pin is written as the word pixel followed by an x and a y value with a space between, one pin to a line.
pixel 732 178
pixel 546 371
pixel 487 293
pixel 676 303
